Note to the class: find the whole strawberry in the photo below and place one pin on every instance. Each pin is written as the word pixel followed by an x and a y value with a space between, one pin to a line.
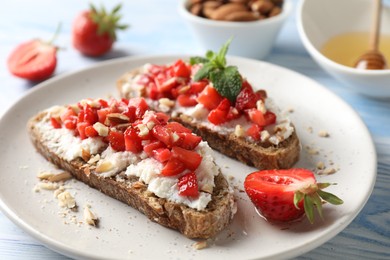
pixel 285 195
pixel 94 31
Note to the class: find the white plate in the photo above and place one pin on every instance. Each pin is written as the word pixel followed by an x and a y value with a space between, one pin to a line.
pixel 125 233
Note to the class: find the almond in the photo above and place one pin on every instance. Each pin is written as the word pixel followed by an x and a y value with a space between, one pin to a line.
pixel 209 7
pixel 221 12
pixel 262 6
pixel 118 118
pixel 242 16
pixel 63 176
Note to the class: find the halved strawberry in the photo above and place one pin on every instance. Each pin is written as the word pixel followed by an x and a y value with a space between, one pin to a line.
pixel 285 195
pixel 188 185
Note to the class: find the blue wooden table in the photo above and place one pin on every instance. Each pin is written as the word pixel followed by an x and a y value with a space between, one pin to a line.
pixel 156 28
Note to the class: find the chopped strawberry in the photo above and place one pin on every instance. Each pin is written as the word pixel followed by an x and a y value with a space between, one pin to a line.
pixel 163 134
pixel 140 105
pixel 256 116
pixel 270 118
pixel 180 69
pixel 55 122
pixel 188 141
pixel 173 167
pixel 162 154
pixel 117 140
pixel 69 113
pixel 90 115
pixel 71 122
pixel 190 159
pixel 90 131
pixel 198 86
pixel 254 131
pixel 219 115
pixel 285 195
pixel 154 145
pixel 177 127
pixel 209 98
pixel 102 114
pixel 132 141
pixel 188 185
pixel 81 129
pixel 187 100
pixel 246 99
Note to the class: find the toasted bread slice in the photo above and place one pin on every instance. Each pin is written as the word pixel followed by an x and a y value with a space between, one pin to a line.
pixel 262 155
pixel 191 222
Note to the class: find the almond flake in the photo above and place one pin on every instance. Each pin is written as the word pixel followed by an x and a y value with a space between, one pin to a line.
pixel 89 217
pixel 143 130
pixel 323 134
pixel 44 175
pixel 63 176
pixel 320 165
pixel 239 131
pixel 104 167
pixel 85 154
pixel 118 118
pixel 94 159
pixel 101 129
pixel 261 106
pixel 65 199
pixel 200 245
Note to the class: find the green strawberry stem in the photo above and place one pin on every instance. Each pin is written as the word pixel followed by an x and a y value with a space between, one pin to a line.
pixel 56 33
pixel 313 195
pixel 107 21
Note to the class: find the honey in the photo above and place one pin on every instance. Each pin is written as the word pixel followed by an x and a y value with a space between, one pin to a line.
pixel 346 48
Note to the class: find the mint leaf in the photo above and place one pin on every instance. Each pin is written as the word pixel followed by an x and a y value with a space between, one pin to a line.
pixel 203 72
pixel 227 82
pixel 197 60
pixel 220 58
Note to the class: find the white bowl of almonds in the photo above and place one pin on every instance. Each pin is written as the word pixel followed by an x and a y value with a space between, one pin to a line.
pixel 253 24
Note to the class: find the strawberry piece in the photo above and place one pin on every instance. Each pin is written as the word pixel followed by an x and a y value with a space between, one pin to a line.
pixel 55 122
pixel 173 167
pixel 140 105
pixel 188 185
pixel 246 99
pixel 149 148
pixel 190 159
pixel 188 141
pixel 209 98
pixel 90 131
pixel 81 129
pixel 198 86
pixel 162 154
pixel 219 115
pixel 270 118
pixel 132 141
pixel 70 122
pixel 180 69
pixel 102 114
pixel 163 134
pixel 256 116
pixel 186 100
pixel 254 131
pixel 117 141
pixel 285 195
pixel 177 127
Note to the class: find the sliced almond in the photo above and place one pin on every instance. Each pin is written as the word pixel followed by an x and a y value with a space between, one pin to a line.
pixel 101 129
pixel 44 175
pixel 63 176
pixel 118 118
pixel 85 154
pixel 104 167
pixel 89 217
pixel 94 159
pixel 65 199
pixel 239 131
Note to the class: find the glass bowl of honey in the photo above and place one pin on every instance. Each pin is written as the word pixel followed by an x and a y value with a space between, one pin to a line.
pixel 336 33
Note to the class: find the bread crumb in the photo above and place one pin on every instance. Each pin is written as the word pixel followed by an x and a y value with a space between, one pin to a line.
pixel 200 245
pixel 310 129
pixel 47 185
pixel 65 199
pixel 323 133
pixel 329 171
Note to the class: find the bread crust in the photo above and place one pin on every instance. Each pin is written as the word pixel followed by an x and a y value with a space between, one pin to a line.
pixel 260 155
pixel 190 222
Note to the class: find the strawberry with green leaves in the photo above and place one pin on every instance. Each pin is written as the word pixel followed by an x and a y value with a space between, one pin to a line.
pixel 285 195
pixel 94 30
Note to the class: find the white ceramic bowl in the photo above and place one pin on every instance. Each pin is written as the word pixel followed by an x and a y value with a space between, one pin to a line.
pixel 320 20
pixel 250 39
